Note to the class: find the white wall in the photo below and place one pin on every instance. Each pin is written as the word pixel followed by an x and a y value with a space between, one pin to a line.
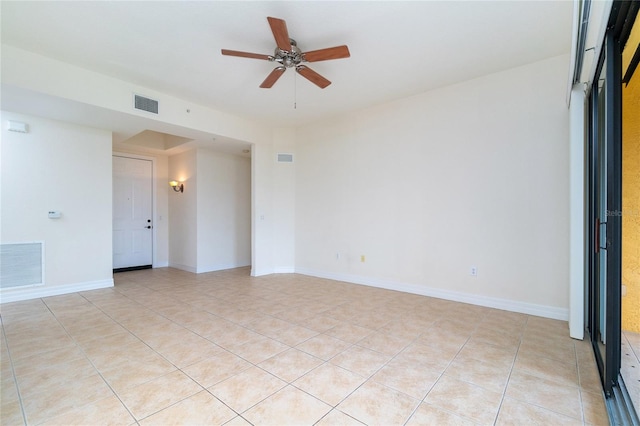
pixel 65 167
pixel 284 180
pixel 183 213
pixel 474 174
pixel 210 222
pixel 223 210
pixel 30 72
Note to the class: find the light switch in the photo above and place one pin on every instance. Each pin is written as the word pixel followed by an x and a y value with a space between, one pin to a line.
pixel 54 214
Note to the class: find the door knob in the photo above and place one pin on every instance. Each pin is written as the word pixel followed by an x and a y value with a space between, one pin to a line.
pixel 148 227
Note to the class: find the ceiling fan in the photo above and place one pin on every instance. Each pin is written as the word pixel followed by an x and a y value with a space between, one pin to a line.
pixel 288 55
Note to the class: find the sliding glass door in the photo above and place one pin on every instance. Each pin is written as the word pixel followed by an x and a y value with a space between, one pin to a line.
pixel 605 181
pixel 605 214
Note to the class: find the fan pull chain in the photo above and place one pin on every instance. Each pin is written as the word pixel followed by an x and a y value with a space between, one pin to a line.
pixel 295 89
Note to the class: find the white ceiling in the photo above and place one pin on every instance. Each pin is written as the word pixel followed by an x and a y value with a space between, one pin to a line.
pixel 397 48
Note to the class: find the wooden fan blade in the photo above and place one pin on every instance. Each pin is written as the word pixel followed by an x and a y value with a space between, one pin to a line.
pixel 245 54
pixel 273 77
pixel 313 76
pixel 280 33
pixel 337 52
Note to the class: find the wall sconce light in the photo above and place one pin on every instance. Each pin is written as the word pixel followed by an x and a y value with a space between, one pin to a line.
pixel 177 186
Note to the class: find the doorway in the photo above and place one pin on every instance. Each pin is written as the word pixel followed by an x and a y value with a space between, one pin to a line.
pixel 630 339
pixel 132 213
pixel 607 215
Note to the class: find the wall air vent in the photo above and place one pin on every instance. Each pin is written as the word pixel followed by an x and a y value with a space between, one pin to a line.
pixel 22 264
pixel 145 104
pixel 285 158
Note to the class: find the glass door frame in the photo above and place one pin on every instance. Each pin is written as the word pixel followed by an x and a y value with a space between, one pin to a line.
pixel 604 234
pixel 604 288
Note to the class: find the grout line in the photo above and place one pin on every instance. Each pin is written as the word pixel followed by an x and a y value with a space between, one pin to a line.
pixel 13 373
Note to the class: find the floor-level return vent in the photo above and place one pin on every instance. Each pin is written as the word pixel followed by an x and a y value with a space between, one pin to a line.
pixel 145 104
pixel 21 264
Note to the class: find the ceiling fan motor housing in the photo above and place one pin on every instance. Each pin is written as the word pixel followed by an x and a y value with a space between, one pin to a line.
pixel 290 58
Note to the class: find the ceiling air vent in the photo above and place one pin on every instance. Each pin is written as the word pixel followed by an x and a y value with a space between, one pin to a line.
pixel 145 104
pixel 285 158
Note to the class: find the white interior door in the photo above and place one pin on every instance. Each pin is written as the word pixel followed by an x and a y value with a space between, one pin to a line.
pixel 132 212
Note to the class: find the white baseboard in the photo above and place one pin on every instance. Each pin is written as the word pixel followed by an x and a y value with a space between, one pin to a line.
pixel 182 267
pixel 284 270
pixel 456 296
pixel 36 292
pixel 220 267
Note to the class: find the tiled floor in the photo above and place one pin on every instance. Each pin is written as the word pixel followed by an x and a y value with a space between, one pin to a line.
pixel 630 365
pixel 169 347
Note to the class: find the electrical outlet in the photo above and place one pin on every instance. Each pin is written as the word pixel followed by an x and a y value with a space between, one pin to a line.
pixel 473 271
pixel 362 258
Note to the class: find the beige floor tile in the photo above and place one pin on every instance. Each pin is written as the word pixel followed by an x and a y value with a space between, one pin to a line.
pixel 259 350
pixel 290 364
pixel 359 360
pixel 407 327
pixel 117 340
pixel 411 379
pixel 560 350
pixel 136 372
pixel 294 335
pixel 11 413
pixel 373 403
pixel 545 393
pixel 173 312
pixel 343 313
pixel 514 413
pixel 110 357
pixel 268 326
pixel 594 409
pixel 384 343
pixel 51 379
pixel 237 421
pixel 234 336
pixel 427 414
pixel 239 316
pixel 209 325
pixel 44 360
pixel 338 418
pixel 321 323
pixel 496 337
pixel 349 332
pixel 295 315
pixel 465 399
pixel 590 380
pixel 67 395
pixel 183 354
pixel 329 383
pixel 565 373
pixel 107 412
pixel 323 346
pixel 245 389
pixel 373 320
pixel 199 409
pixel 213 370
pixel 289 406
pixel 155 395
pixel 484 374
pixel 487 352
pixel 434 358
pixel 9 390
pixel 28 348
